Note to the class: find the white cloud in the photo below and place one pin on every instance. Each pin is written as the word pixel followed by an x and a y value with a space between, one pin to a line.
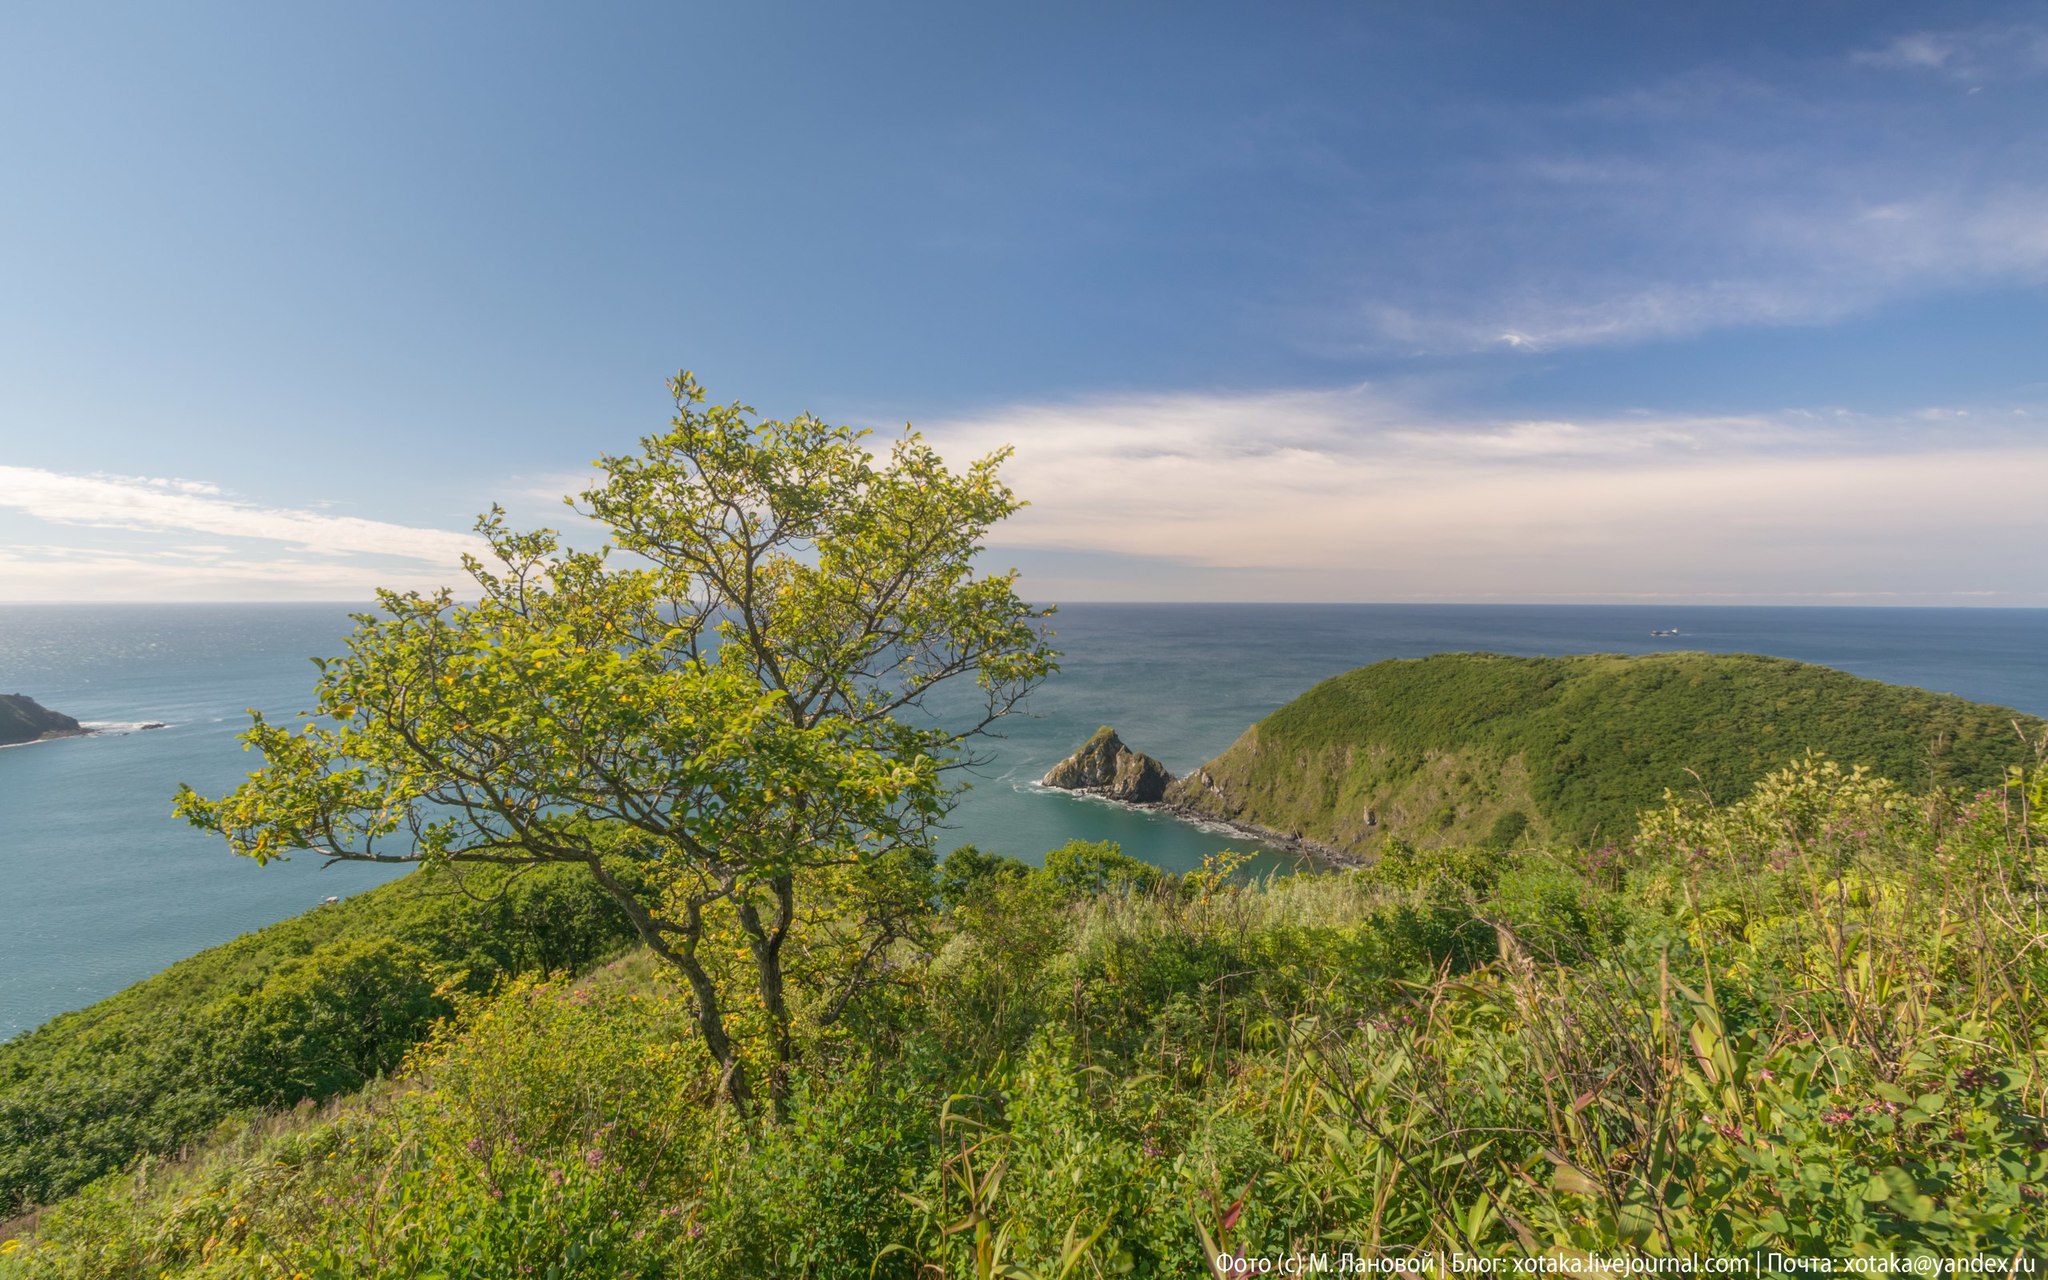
pixel 1347 493
pixel 1923 49
pixel 275 552
pixel 1973 54
pixel 42 572
pixel 138 502
pixel 1714 199
pixel 1765 259
pixel 1351 495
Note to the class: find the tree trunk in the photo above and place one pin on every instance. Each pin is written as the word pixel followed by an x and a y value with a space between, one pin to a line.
pixel 767 947
pixel 733 1084
pixel 710 1025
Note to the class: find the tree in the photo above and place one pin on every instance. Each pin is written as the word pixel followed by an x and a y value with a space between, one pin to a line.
pixel 741 727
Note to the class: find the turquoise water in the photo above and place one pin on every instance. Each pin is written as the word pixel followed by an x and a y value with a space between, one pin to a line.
pixel 103 887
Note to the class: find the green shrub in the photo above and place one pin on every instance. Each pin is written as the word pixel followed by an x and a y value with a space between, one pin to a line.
pixel 1082 868
pixel 1807 1022
pixel 307 1008
pixel 325 1023
pixel 1507 829
pixel 968 873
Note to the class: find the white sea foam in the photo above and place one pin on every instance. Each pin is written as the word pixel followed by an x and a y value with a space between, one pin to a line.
pixel 1167 815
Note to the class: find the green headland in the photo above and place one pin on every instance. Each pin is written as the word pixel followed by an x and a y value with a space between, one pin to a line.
pixel 1478 748
pixel 23 719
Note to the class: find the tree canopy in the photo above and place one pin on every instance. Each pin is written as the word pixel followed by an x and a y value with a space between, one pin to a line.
pixel 723 713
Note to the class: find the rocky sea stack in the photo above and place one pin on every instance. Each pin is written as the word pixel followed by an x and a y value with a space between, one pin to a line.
pixel 23 719
pixel 1105 766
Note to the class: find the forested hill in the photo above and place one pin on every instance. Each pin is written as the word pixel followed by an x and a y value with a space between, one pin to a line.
pixel 1482 747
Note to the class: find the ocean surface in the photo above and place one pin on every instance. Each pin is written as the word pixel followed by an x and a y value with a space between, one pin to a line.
pixel 100 886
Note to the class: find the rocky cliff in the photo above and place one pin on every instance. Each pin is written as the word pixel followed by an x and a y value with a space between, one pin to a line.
pixel 23 719
pixel 1105 766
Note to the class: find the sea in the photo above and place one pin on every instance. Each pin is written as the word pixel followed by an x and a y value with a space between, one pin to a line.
pixel 100 886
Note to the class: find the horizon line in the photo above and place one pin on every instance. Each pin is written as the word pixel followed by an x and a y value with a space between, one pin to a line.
pixel 1734 601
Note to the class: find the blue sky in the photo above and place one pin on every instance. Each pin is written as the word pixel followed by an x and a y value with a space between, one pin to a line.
pixel 1305 302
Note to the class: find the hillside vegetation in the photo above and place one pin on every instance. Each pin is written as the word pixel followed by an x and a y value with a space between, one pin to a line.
pixel 23 719
pixel 1807 1021
pixel 310 1007
pixel 1479 748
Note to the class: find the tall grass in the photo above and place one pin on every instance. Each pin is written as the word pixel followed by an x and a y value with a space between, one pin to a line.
pixel 1811 1021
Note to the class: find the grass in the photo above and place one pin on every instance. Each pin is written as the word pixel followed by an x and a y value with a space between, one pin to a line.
pixel 1810 1020
pixel 1449 749
pixel 311 1007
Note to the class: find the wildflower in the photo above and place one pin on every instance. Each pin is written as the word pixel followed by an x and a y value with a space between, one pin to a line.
pixel 1837 1115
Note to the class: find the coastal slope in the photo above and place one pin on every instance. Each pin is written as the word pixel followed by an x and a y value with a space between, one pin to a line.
pixel 1485 748
pixel 309 1007
pixel 23 719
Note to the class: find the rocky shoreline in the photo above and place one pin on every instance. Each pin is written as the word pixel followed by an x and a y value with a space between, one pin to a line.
pixel 1106 769
pixel 23 720
pixel 1293 842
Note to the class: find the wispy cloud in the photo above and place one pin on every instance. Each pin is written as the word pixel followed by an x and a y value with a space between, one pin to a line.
pixel 1766 259
pixel 41 572
pixel 277 551
pixel 1353 492
pixel 1716 198
pixel 1992 51
pixel 141 502
pixel 1348 494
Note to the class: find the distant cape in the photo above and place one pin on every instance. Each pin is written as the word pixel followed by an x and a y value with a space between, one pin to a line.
pixel 1489 750
pixel 23 719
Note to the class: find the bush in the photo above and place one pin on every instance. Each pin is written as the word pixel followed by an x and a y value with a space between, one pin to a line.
pixel 1825 1048
pixel 326 1023
pixel 1083 868
pixel 968 873
pixel 307 1008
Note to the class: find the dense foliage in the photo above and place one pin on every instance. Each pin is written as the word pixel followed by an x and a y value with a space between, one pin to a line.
pixel 1447 749
pixel 726 728
pixel 308 1008
pixel 1809 1021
